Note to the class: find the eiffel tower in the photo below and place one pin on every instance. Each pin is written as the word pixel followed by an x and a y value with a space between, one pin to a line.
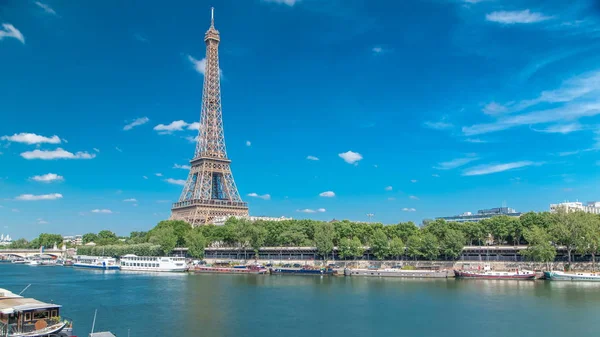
pixel 210 190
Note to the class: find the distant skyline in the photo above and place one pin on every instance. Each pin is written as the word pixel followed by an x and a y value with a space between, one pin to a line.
pixel 332 109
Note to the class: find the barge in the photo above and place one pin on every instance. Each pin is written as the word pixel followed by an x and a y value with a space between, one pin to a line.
pixel 394 272
pixel 564 276
pixel 251 269
pixel 306 270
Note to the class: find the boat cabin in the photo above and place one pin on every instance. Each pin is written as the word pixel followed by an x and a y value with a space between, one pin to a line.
pixel 19 315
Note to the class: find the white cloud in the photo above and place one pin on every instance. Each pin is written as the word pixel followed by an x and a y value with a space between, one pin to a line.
pixel 46 8
pixel 158 174
pixel 192 139
pixel 494 108
pixel 175 181
pixel 31 197
pixel 194 126
pixel 561 128
pixel 312 158
pixel 284 2
pixel 414 197
pixel 42 222
pixel 31 138
pixel 389 188
pixel 351 157
pixel 130 200
pixel 441 125
pixel 248 143
pixel 327 194
pixel 377 50
pixel 56 154
pixel 95 149
pixel 140 37
pixel 9 30
pixel 199 65
pixel 256 195
pixel 475 140
pixel 48 178
pixel 308 210
pixel 391 199
pixel 102 211
pixel 172 127
pixel 413 181
pixel 144 177
pixel 513 17
pixel 405 209
pixel 435 175
pixel 454 163
pixel 136 122
pixel 118 149
pixel 495 168
pixel 183 167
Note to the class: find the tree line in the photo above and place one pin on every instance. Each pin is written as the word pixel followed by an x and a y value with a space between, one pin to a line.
pixel 542 232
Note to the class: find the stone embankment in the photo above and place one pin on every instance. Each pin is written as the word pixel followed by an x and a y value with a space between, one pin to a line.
pixel 495 265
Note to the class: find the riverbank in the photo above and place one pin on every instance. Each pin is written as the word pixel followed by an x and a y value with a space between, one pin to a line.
pixel 495 265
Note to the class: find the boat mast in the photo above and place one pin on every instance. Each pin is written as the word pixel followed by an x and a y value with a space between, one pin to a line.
pixel 22 291
pixel 94 322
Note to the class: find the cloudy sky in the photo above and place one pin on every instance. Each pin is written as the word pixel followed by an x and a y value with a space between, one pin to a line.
pixel 332 108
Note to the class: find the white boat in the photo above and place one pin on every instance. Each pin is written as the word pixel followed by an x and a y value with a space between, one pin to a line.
pixel 20 261
pixel 34 263
pixel 94 262
pixel 563 276
pixel 153 263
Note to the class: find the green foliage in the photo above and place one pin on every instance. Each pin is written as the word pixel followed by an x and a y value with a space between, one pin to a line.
pixel 324 236
pixel 540 248
pixel 195 242
pixel 137 237
pixel 89 237
pixel 430 249
pixel 379 244
pixel 451 243
pixel 142 249
pixel 164 237
pixel 413 245
pixel 106 237
pixel 180 230
pixel 19 244
pixel 396 248
pixel 46 240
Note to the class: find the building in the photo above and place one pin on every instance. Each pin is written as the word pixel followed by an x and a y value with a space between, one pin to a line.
pixel 210 191
pixel 5 240
pixel 591 207
pixel 482 214
pixel 76 240
pixel 220 221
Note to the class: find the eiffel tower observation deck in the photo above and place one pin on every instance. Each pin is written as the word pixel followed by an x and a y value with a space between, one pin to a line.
pixel 210 190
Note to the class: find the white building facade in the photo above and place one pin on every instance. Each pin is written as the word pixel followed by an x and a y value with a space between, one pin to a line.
pixel 220 221
pixel 5 240
pixel 591 207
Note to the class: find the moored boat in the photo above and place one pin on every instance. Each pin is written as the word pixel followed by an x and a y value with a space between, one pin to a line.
pixel 306 270
pixel 394 272
pixel 153 263
pixel 27 317
pixel 20 261
pixel 564 276
pixel 251 269
pixel 93 262
pixel 496 275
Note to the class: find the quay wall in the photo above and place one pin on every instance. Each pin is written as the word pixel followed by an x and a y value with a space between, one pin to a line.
pixel 495 265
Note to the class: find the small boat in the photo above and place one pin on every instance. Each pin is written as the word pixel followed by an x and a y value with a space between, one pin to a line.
pixel 34 263
pixel 93 262
pixel 564 276
pixel 496 275
pixel 153 263
pixel 20 261
pixel 306 270
pixel 27 317
pixel 395 272
pixel 250 269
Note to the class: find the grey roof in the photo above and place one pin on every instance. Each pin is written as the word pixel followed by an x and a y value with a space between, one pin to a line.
pixel 102 334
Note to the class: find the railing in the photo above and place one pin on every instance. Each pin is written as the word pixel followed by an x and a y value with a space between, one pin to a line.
pixel 211 202
pixel 50 325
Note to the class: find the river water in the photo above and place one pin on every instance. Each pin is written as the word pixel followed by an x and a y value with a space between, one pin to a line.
pixel 144 304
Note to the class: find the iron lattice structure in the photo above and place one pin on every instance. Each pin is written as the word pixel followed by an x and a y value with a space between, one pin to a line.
pixel 210 190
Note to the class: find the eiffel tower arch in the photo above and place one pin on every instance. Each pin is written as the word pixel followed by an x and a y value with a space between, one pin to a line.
pixel 210 190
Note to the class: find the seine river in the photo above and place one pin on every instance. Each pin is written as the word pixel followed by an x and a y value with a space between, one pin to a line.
pixel 300 306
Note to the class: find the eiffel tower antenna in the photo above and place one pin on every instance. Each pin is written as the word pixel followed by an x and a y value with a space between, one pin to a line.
pixel 210 190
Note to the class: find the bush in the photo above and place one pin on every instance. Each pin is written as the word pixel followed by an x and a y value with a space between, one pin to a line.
pixel 141 249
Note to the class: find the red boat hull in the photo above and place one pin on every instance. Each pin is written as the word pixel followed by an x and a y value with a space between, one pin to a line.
pixel 465 274
pixel 227 270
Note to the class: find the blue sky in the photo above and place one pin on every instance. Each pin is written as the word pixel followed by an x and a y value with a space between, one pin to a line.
pixel 414 109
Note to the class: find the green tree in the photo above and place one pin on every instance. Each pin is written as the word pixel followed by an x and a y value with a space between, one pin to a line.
pixel 430 249
pixel 405 229
pixel 46 240
pixel 475 232
pixel 345 248
pixel 257 235
pixel 452 243
pixel 19 244
pixel 589 230
pixel 356 248
pixel 414 245
pixel 565 231
pixel 106 237
pixel 195 242
pixel 137 237
pixel 324 236
pixel 540 247
pixel 500 228
pixel 180 229
pixel 396 248
pixel 164 237
pixel 379 244
pixel 89 237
